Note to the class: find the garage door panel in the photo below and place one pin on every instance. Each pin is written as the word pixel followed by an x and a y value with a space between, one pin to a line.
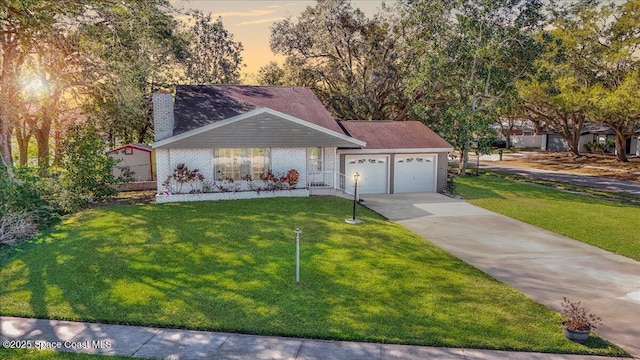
pixel 373 172
pixel 414 173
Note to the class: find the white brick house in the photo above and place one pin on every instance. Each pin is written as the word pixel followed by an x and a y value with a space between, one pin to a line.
pixel 234 135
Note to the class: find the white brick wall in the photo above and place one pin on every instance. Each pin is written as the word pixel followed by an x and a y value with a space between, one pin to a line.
pixel 168 159
pixel 163 119
pixel 330 159
pixel 284 159
pixel 163 167
pixel 161 199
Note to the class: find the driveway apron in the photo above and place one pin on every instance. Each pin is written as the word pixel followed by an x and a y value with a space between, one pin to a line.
pixel 541 264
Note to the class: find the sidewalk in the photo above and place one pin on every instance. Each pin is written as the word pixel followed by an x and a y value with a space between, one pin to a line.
pixel 154 343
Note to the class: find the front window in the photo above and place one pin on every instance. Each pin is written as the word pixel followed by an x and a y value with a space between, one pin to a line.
pixel 239 163
pixel 314 159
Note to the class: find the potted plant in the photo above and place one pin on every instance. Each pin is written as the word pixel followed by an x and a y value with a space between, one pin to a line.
pixel 577 321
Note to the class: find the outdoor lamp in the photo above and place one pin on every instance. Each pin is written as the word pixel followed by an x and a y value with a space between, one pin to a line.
pixel 353 220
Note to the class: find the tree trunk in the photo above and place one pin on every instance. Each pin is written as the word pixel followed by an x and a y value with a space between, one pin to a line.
pixel 57 144
pixel 23 138
pixel 621 146
pixel 5 119
pixel 537 127
pixel 573 130
pixel 42 139
pixel 574 146
pixel 464 159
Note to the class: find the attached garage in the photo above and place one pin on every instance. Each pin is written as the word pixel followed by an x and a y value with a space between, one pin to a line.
pixel 414 173
pixel 399 157
pixel 373 170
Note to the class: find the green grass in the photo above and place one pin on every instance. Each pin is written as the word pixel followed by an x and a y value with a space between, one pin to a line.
pixel 609 225
pixel 34 354
pixel 229 266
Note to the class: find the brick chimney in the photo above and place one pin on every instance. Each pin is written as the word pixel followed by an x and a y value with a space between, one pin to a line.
pixel 163 120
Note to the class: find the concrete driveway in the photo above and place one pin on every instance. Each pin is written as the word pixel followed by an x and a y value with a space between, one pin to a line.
pixel 543 265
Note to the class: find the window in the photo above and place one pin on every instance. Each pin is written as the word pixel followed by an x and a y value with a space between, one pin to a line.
pixel 238 163
pixel 314 159
pixel 128 151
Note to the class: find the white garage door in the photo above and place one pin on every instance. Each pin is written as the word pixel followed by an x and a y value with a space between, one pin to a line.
pixel 414 173
pixel 373 170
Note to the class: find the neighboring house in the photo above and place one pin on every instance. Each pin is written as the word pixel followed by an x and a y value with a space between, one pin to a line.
pixel 592 132
pixel 133 161
pixel 237 132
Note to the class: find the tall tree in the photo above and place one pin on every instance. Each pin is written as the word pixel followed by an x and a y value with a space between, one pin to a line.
pixel 615 41
pixel 353 63
pixel 108 48
pixel 133 49
pixel 215 57
pixel 468 56
pixel 588 71
pixel 22 24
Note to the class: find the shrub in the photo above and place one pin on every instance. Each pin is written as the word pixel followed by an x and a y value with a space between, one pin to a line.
pixel 29 193
pixel 610 145
pixel 16 226
pixel 183 175
pixel 88 168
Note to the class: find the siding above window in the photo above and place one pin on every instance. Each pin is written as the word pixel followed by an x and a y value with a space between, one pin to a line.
pixel 260 128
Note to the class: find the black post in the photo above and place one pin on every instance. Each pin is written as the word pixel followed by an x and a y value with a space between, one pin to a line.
pixel 355 196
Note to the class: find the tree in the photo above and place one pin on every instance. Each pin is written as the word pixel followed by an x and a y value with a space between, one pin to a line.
pixel 620 109
pixel 133 49
pixel 469 55
pixel 588 71
pixel 271 74
pixel 23 24
pixel 98 51
pixel 47 78
pixel 353 63
pixel 616 44
pixel 215 57
pixel 88 168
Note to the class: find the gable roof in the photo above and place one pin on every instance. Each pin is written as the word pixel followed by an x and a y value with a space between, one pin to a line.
pixel 143 147
pixel 200 105
pixel 379 134
pixel 261 127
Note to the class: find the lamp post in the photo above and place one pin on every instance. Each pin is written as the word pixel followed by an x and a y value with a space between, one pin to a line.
pixel 353 219
pixel 356 177
pixel 297 231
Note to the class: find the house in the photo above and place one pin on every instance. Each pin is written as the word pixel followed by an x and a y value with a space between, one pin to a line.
pixel 235 134
pixel 133 162
pixel 592 132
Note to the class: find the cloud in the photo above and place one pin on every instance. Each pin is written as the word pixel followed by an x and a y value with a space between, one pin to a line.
pixel 251 13
pixel 261 21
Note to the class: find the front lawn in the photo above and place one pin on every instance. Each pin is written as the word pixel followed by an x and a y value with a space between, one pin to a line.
pixel 34 354
pixel 229 266
pixel 606 224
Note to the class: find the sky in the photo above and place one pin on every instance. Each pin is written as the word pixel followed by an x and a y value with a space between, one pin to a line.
pixel 250 22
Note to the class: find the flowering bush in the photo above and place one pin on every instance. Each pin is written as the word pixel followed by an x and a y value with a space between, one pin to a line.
pixel 268 182
pixel 274 182
pixel 292 177
pixel 183 175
